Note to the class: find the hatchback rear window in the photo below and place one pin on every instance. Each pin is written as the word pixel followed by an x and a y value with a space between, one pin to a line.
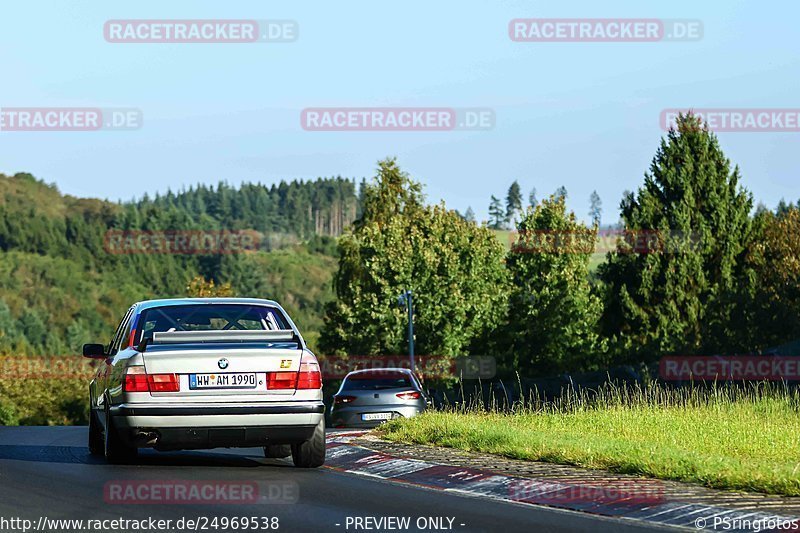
pixel 377 380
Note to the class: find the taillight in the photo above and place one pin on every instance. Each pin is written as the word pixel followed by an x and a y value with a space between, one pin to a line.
pixel 281 380
pixel 309 376
pixel 343 399
pixel 409 395
pixel 137 380
pixel 163 382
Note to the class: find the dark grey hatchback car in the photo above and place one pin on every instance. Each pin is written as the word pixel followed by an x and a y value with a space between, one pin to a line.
pixel 367 398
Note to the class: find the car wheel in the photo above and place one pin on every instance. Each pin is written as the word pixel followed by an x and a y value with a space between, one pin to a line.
pixel 115 450
pixel 277 451
pixel 311 453
pixel 96 444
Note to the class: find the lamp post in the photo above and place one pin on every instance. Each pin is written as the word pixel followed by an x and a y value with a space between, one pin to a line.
pixel 407 298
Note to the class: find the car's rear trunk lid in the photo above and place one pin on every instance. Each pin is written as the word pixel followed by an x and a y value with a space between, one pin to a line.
pixel 223 365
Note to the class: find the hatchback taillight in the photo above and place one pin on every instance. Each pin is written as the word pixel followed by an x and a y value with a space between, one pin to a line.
pixel 413 395
pixel 137 380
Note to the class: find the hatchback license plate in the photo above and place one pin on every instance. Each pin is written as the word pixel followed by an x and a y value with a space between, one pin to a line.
pixel 376 416
pixel 223 381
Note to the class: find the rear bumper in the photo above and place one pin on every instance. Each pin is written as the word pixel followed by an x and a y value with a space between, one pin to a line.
pixel 174 427
pixel 133 410
pixel 205 438
pixel 350 416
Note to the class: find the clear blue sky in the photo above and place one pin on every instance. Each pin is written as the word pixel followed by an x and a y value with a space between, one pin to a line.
pixel 584 115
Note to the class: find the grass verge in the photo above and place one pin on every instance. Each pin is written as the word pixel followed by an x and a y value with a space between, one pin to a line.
pixel 726 439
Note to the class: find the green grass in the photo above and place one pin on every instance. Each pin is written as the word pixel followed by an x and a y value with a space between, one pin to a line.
pixel 722 438
pixel 505 237
pixel 595 260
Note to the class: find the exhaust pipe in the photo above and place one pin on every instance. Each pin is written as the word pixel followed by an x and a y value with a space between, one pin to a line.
pixel 148 438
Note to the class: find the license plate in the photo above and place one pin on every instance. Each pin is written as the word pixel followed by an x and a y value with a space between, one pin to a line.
pixel 376 416
pixel 223 381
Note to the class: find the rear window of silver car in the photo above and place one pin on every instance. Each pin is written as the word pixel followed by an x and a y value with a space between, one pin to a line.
pixel 214 317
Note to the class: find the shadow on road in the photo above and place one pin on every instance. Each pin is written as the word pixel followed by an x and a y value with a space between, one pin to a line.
pixel 80 455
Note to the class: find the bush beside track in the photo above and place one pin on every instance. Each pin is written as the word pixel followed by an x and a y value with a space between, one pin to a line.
pixel 44 391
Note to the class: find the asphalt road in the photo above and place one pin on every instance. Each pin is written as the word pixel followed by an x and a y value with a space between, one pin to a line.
pixel 48 472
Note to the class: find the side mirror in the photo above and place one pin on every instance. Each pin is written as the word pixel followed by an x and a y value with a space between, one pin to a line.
pixel 94 351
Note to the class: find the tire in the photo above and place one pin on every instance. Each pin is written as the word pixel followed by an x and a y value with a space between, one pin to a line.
pixel 311 453
pixel 115 450
pixel 277 451
pixel 96 443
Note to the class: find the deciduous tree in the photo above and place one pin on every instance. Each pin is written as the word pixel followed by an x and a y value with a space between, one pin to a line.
pixel 453 267
pixel 553 313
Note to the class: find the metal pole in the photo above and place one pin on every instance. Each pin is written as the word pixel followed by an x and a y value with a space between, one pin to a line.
pixel 410 327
